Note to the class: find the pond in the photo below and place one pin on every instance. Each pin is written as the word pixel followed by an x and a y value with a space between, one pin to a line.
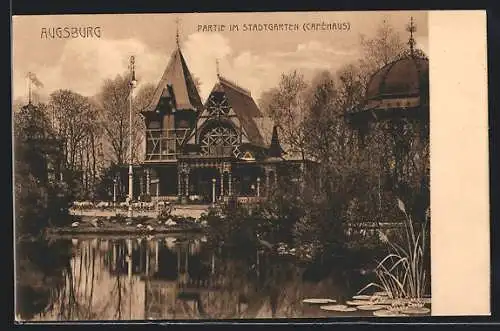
pixel 172 278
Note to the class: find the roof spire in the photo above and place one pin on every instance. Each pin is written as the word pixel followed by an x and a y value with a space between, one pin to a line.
pixel 177 21
pixel 275 149
pixel 217 67
pixel 411 28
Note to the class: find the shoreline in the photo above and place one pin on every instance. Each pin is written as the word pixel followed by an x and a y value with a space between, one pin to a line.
pixel 123 230
pixel 194 211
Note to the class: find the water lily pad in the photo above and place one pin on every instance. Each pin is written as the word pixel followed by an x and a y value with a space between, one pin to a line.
pixel 383 301
pixel 416 310
pixel 316 300
pixel 371 307
pixel 387 313
pixel 358 302
pixel 333 307
pixel 362 297
pixel 339 308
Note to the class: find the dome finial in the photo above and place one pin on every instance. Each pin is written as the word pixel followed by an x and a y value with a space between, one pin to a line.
pixel 411 28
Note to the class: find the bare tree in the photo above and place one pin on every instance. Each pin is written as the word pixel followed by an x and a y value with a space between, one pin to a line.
pixel 74 118
pixel 380 50
pixel 285 105
pixel 114 117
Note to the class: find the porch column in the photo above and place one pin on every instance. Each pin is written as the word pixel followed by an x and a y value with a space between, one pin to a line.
pixel 222 183
pixel 148 182
pixel 179 183
pixel 230 184
pixel 141 180
pixel 213 190
pixel 187 184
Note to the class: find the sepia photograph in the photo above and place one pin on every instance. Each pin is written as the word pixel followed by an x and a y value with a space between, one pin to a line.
pixel 221 166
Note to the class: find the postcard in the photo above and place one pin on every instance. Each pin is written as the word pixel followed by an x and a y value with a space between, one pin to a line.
pixel 239 166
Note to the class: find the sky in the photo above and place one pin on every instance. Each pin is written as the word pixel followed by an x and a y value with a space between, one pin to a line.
pixel 253 59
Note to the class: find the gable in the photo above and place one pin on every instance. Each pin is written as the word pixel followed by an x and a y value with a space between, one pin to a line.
pixel 178 84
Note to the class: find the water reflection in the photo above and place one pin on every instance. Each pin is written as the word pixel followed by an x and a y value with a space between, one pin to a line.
pixel 170 278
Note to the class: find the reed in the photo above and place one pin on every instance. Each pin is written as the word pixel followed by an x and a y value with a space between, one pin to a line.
pixel 403 272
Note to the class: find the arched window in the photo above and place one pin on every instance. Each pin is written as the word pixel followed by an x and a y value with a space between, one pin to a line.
pixel 221 140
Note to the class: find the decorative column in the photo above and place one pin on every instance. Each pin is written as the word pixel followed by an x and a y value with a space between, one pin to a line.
pixel 275 178
pixel 179 184
pixel 148 182
pixel 114 191
pixel 141 180
pixel 230 184
pixel 213 190
pixel 157 193
pixel 222 184
pixel 258 186
pixel 187 184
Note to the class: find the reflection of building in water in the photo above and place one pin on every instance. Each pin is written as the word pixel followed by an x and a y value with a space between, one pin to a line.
pixel 181 281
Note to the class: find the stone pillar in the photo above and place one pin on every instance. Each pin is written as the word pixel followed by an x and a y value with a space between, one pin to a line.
pixel 275 178
pixel 230 184
pixel 148 182
pixel 187 184
pixel 222 183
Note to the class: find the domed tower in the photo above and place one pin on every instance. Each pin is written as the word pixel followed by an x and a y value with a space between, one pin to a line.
pixel 396 104
pixel 398 90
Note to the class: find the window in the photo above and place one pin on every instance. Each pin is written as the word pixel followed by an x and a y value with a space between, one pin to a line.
pixel 221 141
pixel 218 105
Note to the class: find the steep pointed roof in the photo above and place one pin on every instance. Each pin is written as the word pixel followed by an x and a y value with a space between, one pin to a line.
pixel 177 80
pixel 275 150
pixel 245 108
